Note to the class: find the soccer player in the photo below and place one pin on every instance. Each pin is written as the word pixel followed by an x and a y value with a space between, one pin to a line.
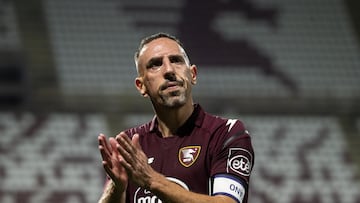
pixel 183 154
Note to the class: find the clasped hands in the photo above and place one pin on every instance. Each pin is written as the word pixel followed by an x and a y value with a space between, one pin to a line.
pixel 123 159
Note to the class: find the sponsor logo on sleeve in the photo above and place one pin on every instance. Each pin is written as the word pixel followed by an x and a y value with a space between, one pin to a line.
pixel 188 155
pixel 239 161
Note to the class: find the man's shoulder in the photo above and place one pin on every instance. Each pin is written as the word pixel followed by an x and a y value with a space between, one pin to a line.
pixel 214 122
pixel 211 120
pixel 140 129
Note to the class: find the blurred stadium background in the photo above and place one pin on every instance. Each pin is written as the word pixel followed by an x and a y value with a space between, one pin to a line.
pixel 289 69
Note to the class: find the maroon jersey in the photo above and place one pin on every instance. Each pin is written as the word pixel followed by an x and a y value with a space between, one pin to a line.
pixel 204 148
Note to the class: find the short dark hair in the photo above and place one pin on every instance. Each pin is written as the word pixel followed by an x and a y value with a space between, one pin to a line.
pixel 150 38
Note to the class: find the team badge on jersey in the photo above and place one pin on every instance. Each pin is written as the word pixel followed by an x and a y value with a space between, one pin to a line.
pixel 188 155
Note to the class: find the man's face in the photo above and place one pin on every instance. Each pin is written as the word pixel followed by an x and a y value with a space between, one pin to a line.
pixel 165 74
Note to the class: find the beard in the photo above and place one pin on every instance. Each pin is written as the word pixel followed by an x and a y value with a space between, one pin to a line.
pixel 174 99
pixel 169 97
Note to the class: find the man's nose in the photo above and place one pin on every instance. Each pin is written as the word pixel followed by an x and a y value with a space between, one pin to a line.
pixel 168 66
pixel 169 71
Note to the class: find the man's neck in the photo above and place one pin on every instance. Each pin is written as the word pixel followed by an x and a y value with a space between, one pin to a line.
pixel 171 119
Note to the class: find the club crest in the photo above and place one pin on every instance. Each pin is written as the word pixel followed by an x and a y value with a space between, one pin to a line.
pixel 188 155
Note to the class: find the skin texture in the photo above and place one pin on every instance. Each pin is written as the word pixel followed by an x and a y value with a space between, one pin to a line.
pixel 166 77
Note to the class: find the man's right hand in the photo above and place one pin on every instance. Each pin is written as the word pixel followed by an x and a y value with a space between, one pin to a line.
pixel 110 161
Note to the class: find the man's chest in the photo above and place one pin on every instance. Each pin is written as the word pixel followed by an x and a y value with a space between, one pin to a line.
pixel 183 158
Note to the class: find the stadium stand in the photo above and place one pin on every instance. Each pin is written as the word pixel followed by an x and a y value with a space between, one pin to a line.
pixel 288 69
pixel 301 159
pixel 9 35
pixel 12 71
pixel 50 158
pixel 290 52
pixel 299 43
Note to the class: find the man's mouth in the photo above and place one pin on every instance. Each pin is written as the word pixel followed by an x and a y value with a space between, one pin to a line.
pixel 171 85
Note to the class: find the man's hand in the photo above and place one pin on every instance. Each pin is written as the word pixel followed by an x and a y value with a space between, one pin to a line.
pixel 134 160
pixel 110 160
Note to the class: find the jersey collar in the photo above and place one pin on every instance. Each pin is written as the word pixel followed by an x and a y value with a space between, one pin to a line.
pixel 196 119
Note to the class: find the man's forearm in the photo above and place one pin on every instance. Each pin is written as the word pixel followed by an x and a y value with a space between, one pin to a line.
pixel 169 191
pixel 112 195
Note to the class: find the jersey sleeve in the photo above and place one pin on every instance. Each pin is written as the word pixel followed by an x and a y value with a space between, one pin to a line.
pixel 233 152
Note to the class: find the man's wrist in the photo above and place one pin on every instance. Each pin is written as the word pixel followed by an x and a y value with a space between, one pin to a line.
pixel 156 182
pixel 116 187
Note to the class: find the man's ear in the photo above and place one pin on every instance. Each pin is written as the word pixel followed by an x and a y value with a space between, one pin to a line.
pixel 193 71
pixel 139 84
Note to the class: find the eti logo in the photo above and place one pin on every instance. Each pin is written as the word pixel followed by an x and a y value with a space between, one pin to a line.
pixel 239 161
pixel 188 155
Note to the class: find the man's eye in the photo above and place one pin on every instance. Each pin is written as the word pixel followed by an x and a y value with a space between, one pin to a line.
pixel 154 65
pixel 176 60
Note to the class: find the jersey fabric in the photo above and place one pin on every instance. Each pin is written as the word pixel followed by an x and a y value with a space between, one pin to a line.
pixel 207 149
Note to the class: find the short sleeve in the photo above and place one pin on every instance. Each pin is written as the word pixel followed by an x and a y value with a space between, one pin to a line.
pixel 233 152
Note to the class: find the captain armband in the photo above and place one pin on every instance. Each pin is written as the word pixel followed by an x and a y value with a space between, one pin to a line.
pixel 229 186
